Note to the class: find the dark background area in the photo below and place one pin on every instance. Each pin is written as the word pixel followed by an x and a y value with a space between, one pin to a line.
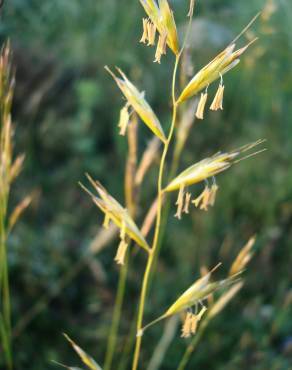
pixel 66 110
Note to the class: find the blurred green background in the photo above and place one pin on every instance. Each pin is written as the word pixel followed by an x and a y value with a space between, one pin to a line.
pixel 66 110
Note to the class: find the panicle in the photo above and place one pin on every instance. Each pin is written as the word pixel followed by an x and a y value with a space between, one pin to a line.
pixel 137 101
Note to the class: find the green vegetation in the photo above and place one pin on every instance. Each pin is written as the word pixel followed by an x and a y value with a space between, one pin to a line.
pixel 65 112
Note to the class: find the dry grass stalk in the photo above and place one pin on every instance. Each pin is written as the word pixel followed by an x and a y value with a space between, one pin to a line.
pixel 9 171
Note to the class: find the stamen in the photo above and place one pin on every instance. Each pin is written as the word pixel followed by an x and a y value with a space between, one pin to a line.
pixel 218 99
pixel 187 202
pixel 187 326
pixel 213 193
pixel 201 105
pixel 161 47
pixel 202 199
pixel 144 37
pixel 124 120
pixel 121 253
pixel 191 323
pixel 180 202
pixel 151 31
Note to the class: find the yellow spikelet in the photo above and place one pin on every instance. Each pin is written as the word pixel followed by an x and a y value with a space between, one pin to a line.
pixel 208 167
pixel 86 359
pixel 243 257
pixel 162 17
pixel 136 99
pixel 221 64
pixel 115 212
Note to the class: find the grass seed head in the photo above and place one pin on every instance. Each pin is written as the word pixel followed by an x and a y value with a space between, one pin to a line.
pixel 115 212
pixel 137 101
pixel 220 65
pixel 208 167
pixel 243 257
pixel 161 16
pixel 86 359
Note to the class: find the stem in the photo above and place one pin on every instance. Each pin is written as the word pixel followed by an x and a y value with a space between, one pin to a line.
pixel 151 255
pixel 131 199
pixel 116 315
pixel 4 288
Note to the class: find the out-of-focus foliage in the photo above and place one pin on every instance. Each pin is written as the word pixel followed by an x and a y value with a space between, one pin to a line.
pixel 66 111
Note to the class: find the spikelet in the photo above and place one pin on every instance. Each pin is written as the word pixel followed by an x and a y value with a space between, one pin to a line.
pixel 16 167
pixel 18 210
pixel 139 104
pixel 115 212
pixel 243 257
pixel 208 167
pixel 86 359
pixel 201 105
pixel 168 23
pixel 221 64
pixel 161 16
pixel 195 294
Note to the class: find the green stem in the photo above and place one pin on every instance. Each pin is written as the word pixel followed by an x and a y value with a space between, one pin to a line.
pixel 4 288
pixel 112 339
pixel 151 255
